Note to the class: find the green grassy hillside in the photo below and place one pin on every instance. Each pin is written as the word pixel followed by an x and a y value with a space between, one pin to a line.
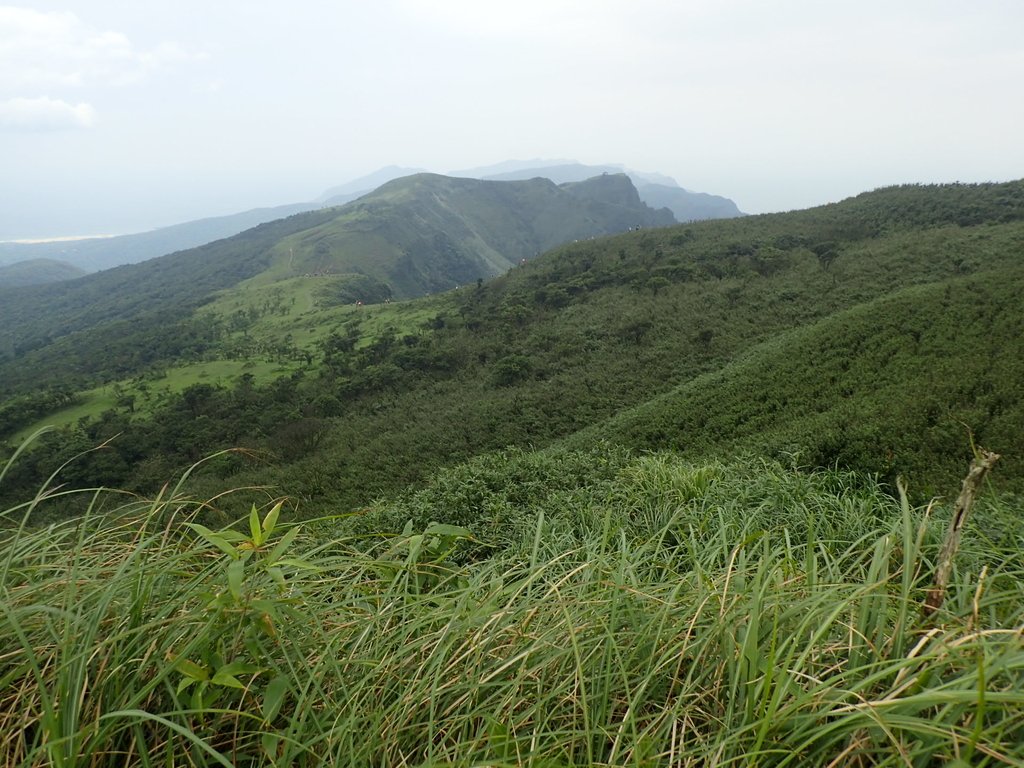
pixel 600 608
pixel 426 232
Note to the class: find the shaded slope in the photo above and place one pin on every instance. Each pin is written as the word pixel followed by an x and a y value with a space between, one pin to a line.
pixel 37 272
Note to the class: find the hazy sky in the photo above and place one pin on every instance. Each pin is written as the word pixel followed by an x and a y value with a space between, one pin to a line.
pixel 122 115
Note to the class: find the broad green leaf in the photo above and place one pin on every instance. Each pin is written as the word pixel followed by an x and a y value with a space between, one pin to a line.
pixel 239 668
pixel 277 575
pixel 273 697
pixel 226 680
pixel 191 669
pixel 270 521
pixel 236 575
pixel 415 544
pixel 270 743
pixel 254 526
pixel 185 683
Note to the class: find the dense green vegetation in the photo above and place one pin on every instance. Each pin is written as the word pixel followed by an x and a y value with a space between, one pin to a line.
pixel 37 272
pixel 876 334
pixel 594 608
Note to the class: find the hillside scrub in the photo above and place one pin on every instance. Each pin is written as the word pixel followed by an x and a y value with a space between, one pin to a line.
pixel 574 609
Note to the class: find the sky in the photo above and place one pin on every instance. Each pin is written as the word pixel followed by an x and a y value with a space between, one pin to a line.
pixel 119 116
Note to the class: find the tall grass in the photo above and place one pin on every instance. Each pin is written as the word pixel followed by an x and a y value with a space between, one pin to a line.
pixel 741 614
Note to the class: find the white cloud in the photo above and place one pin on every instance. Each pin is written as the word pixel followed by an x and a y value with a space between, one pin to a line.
pixel 44 114
pixel 43 50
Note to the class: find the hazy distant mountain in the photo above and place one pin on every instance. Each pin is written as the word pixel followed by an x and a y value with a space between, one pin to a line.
pixel 655 189
pixel 511 166
pixel 560 174
pixel 351 190
pixel 686 205
pixel 411 236
pixel 37 272
pixel 95 254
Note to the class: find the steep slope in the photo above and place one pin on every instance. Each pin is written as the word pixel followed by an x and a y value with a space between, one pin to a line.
pixel 95 254
pixel 426 232
pixel 655 190
pixel 686 205
pixel 37 272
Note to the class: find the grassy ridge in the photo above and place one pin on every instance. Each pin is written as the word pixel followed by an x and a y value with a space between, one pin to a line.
pixel 652 612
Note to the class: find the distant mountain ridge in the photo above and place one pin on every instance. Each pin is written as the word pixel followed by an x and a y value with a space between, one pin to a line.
pixel 95 254
pixel 655 189
pixel 412 236
pixel 351 190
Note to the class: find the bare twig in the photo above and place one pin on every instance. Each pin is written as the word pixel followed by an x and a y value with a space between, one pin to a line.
pixel 980 465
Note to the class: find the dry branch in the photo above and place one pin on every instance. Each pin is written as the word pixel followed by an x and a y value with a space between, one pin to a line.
pixel 980 465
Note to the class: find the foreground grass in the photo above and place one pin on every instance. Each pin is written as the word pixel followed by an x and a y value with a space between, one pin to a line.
pixel 667 614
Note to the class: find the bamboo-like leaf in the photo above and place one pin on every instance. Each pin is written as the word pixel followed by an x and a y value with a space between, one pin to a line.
pixel 281 546
pixel 254 526
pixel 215 539
pixel 236 575
pixel 443 529
pixel 192 670
pixel 270 742
pixel 240 668
pixel 270 521
pixel 277 575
